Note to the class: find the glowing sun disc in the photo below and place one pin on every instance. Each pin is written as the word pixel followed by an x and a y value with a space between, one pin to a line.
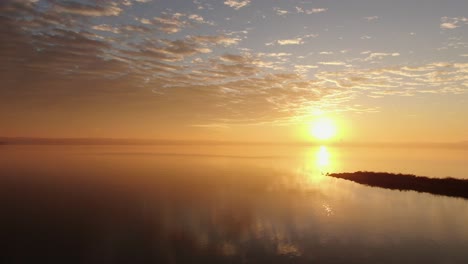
pixel 323 129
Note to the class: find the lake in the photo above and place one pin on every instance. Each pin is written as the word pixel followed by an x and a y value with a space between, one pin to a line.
pixel 225 204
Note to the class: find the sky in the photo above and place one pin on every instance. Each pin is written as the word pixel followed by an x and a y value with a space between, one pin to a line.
pixel 236 70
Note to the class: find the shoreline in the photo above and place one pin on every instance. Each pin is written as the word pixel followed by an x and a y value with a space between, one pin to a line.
pixel 407 182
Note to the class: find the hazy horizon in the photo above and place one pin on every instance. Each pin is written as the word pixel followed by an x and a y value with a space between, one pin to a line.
pixel 155 141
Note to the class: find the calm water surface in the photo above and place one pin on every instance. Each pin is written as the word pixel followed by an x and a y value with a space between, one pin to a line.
pixel 94 204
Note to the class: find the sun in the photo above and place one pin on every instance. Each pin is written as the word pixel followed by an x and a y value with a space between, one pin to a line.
pixel 323 128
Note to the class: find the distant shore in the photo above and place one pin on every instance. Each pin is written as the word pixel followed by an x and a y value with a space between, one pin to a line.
pixel 407 182
pixel 182 142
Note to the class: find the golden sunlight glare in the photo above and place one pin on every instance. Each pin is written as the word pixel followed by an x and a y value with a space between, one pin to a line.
pixel 323 128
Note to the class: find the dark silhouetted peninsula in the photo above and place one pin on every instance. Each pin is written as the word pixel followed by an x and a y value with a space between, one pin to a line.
pixel 407 182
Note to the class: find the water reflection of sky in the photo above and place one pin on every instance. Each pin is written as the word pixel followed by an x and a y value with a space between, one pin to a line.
pixel 215 209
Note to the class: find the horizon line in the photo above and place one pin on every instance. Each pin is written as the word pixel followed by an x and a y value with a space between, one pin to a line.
pixel 147 141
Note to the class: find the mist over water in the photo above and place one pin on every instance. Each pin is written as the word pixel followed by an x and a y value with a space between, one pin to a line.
pixel 225 204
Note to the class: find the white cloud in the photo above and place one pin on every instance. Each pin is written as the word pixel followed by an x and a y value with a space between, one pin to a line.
pixel 315 10
pixel 437 78
pixel 453 22
pixel 310 36
pixel 332 63
pixel 370 18
pixel 448 25
pixel 172 24
pixel 104 27
pixel 76 8
pixel 302 69
pixel 216 40
pixel 144 21
pixel 196 17
pixel 295 41
pixel 380 55
pixel 199 19
pixel 280 54
pixel 127 3
pixel 301 10
pixel 237 4
pixel 281 12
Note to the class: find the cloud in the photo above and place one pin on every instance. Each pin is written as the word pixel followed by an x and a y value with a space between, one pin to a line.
pixel 130 3
pixel 216 40
pixel 173 23
pixel 258 97
pixel 234 58
pixel 453 22
pixel 237 4
pixel 299 9
pixel 295 41
pixel 144 21
pixel 75 8
pixel 54 58
pixel 371 18
pixel 332 63
pixel 302 69
pixel 280 12
pixel 200 20
pixel 197 18
pixel 380 55
pixel 83 61
pixel 56 53
pixel 440 77
pixel 274 54
pixel 216 79
pixel 127 3
pixel 170 23
pixel 183 47
pixel 108 28
pixel 201 4
pixel 136 29
pixel 448 25
pixel 168 50
pixel 315 10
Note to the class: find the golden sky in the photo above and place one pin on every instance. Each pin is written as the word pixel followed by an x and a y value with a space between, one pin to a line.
pixel 241 70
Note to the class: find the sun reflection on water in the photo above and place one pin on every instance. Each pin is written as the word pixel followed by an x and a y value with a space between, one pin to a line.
pixel 322 157
pixel 318 162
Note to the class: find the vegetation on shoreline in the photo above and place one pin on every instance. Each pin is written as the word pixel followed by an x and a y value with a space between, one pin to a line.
pixel 407 182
